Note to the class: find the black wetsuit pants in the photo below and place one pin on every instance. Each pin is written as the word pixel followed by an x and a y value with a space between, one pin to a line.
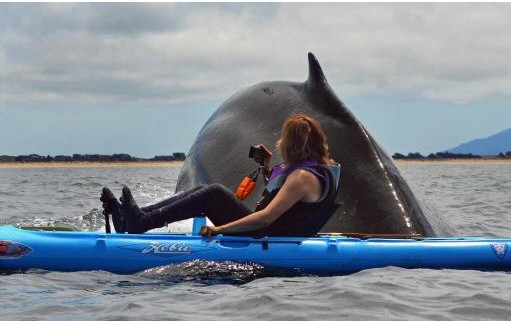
pixel 214 201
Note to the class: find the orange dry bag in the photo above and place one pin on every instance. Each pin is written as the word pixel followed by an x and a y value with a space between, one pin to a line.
pixel 247 185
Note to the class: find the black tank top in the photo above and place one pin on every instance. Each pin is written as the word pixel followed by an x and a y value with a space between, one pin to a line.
pixel 302 219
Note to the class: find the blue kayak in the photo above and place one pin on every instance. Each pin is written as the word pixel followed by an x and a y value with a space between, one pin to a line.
pixel 323 255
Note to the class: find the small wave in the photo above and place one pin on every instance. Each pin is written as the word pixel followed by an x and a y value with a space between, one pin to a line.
pixel 8 193
pixel 92 221
pixel 65 223
pixel 87 185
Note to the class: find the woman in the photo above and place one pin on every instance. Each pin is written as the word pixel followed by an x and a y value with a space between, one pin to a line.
pixel 298 200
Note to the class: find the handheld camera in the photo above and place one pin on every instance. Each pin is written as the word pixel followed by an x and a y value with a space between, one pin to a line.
pixel 256 153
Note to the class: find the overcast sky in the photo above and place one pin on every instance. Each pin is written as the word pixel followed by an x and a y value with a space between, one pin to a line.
pixel 143 78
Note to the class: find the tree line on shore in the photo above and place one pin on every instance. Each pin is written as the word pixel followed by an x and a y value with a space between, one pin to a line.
pixel 34 158
pixel 446 155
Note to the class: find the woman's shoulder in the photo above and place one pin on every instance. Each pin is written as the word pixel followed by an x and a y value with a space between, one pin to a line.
pixel 302 174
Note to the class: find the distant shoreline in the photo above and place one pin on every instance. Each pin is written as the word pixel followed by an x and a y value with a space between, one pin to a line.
pixel 403 162
pixel 90 164
pixel 454 161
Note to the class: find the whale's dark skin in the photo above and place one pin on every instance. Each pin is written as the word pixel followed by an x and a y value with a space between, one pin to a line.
pixel 374 197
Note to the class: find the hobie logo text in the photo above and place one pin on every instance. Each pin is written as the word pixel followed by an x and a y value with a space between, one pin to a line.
pixel 167 248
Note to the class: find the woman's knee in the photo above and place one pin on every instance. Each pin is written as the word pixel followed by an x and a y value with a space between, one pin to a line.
pixel 217 192
pixel 220 189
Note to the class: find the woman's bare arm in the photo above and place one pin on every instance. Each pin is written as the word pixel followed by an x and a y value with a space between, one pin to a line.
pixel 300 185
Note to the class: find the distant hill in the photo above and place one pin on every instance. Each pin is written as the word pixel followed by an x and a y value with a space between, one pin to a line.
pixel 492 145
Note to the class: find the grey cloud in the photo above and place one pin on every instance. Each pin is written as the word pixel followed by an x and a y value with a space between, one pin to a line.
pixel 101 18
pixel 177 53
pixel 133 18
pixel 42 19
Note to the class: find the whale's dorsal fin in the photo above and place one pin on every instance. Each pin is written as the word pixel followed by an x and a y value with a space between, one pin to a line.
pixel 316 78
pixel 318 88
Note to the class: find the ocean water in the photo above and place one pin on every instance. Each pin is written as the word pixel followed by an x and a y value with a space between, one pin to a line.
pixel 473 198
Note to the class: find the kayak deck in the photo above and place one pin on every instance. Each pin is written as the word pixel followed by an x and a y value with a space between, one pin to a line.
pixel 323 255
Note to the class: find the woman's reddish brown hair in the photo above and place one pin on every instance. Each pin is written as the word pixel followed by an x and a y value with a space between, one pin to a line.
pixel 303 139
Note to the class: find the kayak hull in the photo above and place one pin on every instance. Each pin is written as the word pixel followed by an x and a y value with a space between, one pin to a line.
pixel 325 255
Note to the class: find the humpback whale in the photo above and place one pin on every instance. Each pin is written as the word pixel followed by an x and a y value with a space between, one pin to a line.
pixel 374 198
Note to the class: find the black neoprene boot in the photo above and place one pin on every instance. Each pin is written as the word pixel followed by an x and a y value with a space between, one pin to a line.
pixel 112 206
pixel 137 221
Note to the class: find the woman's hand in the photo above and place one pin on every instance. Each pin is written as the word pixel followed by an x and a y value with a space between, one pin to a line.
pixel 209 231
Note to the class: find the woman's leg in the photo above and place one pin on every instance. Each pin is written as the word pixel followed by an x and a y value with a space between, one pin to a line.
pixel 215 201
pixel 171 199
pixel 113 207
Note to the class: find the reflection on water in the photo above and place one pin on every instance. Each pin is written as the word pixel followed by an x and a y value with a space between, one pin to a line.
pixel 207 272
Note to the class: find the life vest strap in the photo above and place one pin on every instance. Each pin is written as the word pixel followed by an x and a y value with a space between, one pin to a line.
pixel 336 170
